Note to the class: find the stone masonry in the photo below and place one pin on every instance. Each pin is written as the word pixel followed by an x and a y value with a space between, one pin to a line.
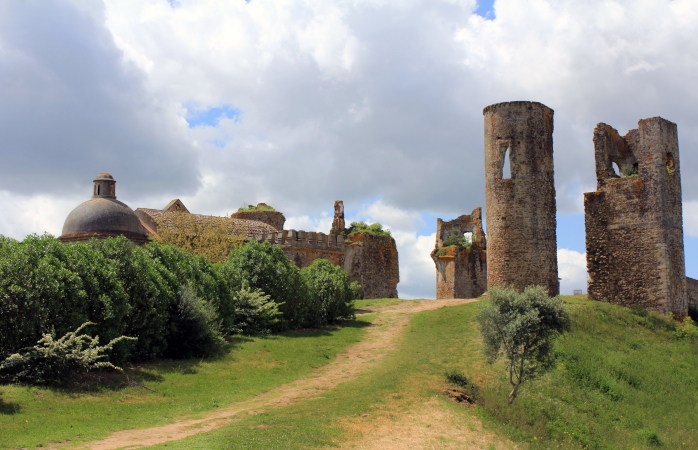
pixel 371 260
pixel 273 218
pixel 520 210
pixel 634 223
pixel 460 272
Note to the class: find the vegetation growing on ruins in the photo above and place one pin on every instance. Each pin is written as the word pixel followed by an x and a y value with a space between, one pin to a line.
pixel 258 207
pixel 214 238
pixel 456 239
pixel 521 328
pixel 375 229
pixel 628 170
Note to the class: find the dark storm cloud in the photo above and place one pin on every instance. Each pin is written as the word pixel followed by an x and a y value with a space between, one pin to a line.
pixel 72 107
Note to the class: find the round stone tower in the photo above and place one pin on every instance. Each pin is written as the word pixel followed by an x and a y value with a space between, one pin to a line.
pixel 520 196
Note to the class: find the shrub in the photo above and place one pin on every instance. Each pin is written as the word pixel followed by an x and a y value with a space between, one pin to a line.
pixel 150 296
pixel 330 295
pixel 357 292
pixel 521 327
pixel 184 268
pixel 259 207
pixel 38 292
pixel 256 312
pixel 265 267
pixel 458 240
pixel 55 361
pixel 687 330
pixel 195 327
pixel 375 229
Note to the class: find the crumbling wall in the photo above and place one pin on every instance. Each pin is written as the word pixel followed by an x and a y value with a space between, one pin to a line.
pixel 460 272
pixel 273 218
pixel 521 222
pixel 634 224
pixel 303 247
pixel 692 294
pixel 338 225
pixel 373 262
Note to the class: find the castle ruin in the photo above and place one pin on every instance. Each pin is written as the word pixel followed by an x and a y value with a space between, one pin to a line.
pixel 520 206
pixel 461 263
pixel 634 220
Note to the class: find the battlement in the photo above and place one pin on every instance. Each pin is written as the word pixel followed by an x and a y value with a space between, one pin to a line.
pixel 497 106
pixel 304 239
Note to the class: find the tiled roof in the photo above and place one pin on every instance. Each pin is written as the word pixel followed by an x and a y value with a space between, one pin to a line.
pixel 250 227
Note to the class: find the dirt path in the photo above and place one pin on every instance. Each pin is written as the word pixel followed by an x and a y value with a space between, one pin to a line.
pixel 380 338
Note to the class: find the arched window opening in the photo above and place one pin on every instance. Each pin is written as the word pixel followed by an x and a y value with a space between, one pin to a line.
pixel 616 169
pixel 468 238
pixel 98 189
pixel 506 168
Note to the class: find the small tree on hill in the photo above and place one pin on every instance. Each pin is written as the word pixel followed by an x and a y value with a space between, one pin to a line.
pixel 522 327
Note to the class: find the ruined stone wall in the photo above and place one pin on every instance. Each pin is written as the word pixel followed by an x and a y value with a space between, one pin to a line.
pixel 273 218
pixel 634 224
pixel 338 225
pixel 373 262
pixel 520 210
pixel 303 247
pixel 692 293
pixel 460 272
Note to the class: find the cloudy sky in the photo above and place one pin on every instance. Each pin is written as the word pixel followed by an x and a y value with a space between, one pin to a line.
pixel 300 103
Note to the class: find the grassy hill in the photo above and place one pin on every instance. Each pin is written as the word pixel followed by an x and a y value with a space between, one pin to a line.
pixel 624 379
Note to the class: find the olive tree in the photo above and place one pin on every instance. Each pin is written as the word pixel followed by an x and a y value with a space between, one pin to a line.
pixel 521 327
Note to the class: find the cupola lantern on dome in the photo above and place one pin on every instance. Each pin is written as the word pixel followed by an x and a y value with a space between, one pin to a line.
pixel 103 216
pixel 105 186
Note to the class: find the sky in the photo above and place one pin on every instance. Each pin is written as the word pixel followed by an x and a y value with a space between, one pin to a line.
pixel 300 103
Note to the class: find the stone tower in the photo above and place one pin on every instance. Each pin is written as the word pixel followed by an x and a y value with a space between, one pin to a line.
pixel 338 225
pixel 634 220
pixel 520 206
pixel 461 271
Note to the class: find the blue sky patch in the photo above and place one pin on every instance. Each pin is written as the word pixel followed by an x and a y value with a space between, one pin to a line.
pixel 212 116
pixel 485 8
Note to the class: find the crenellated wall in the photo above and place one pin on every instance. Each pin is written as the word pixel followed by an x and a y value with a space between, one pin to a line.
pixel 370 260
pixel 304 247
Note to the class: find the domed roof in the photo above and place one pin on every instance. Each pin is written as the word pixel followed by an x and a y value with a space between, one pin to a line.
pixel 101 217
pixel 104 176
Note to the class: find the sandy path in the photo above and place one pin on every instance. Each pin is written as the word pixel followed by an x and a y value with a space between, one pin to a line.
pixel 380 338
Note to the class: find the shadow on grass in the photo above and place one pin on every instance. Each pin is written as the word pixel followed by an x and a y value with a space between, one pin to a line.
pixel 8 408
pixel 325 330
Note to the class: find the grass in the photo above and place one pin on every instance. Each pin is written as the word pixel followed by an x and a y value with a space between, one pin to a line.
pixel 622 380
pixel 157 393
pixel 411 375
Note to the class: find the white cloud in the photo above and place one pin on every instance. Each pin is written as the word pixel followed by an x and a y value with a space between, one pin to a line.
pixel 572 270
pixel 347 100
pixel 690 218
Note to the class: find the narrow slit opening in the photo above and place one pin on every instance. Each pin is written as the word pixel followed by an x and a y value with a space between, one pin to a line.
pixel 506 168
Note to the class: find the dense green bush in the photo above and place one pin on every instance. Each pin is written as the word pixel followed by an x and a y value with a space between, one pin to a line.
pixel 256 312
pixel 265 267
pixel 329 293
pixel 175 303
pixel 196 271
pixel 45 286
pixel 195 327
pixel 150 296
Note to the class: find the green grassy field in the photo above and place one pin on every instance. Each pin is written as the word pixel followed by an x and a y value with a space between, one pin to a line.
pixel 157 393
pixel 623 380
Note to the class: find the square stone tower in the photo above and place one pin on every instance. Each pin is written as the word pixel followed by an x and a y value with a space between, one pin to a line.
pixel 634 220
